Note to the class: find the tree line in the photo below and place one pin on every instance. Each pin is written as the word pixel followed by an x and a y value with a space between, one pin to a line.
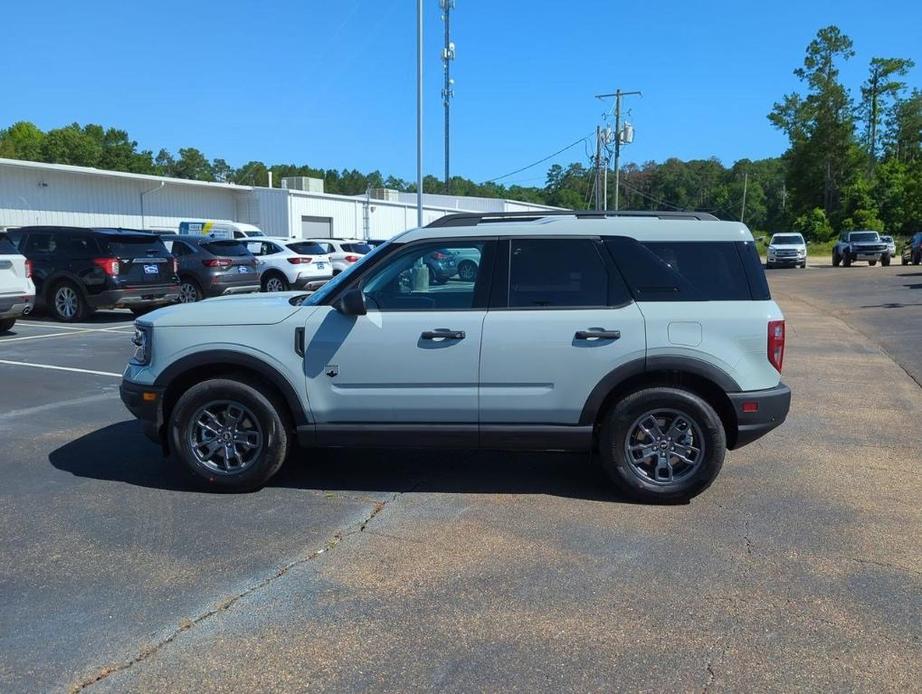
pixel 853 161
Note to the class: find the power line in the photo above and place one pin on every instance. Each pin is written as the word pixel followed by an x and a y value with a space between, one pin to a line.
pixel 540 161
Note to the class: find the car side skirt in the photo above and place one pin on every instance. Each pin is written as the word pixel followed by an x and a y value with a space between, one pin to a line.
pixel 537 437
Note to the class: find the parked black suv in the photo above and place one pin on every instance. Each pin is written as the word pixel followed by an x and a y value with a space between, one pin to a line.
pixel 212 267
pixel 77 270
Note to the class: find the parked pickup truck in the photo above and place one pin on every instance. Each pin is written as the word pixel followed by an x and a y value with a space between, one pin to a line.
pixel 860 245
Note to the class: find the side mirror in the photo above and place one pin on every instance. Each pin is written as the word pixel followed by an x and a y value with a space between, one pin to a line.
pixel 352 303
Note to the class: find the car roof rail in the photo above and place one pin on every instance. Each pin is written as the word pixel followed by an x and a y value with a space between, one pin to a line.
pixel 463 219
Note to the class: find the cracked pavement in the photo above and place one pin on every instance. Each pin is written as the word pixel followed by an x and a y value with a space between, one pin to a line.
pixel 800 568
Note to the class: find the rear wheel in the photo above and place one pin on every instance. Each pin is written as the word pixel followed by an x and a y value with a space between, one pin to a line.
pixel 189 291
pixel 662 444
pixel 6 324
pixel 231 436
pixel 275 283
pixel 67 303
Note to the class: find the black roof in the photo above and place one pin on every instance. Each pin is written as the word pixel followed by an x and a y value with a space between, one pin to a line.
pixel 94 230
pixel 463 219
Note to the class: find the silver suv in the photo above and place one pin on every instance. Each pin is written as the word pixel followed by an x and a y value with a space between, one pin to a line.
pixel 650 339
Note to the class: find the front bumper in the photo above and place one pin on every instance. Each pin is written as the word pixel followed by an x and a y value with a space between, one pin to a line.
pixel 146 403
pixel 786 260
pixel 135 296
pixel 770 410
pixel 16 306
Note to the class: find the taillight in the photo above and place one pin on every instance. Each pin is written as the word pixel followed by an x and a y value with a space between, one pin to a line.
pixel 352 258
pixel 28 268
pixel 776 343
pixel 438 255
pixel 295 260
pixel 217 262
pixel 107 265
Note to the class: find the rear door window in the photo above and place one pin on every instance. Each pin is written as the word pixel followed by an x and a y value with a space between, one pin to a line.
pixel 554 273
pixel 40 242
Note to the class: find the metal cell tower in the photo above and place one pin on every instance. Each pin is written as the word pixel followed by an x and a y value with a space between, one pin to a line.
pixel 448 54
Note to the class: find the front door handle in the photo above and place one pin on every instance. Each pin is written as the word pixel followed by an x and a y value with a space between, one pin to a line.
pixel 597 334
pixel 442 334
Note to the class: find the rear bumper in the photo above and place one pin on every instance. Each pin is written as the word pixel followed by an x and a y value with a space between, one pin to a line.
pixel 223 290
pixel 232 284
pixel 16 306
pixel 771 408
pixel 134 296
pixel 311 283
pixel 146 403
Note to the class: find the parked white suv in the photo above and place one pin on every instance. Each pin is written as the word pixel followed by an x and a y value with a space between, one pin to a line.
pixel 343 252
pixel 286 264
pixel 651 339
pixel 17 293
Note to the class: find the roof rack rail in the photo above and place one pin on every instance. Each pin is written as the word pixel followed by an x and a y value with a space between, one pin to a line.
pixel 464 219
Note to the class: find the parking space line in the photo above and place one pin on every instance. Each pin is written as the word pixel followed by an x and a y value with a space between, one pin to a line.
pixel 42 337
pixel 60 368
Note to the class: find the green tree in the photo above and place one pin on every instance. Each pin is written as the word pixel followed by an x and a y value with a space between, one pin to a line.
pixel 880 86
pixel 814 225
pixel 192 164
pixel 823 153
pixel 72 145
pixel 22 140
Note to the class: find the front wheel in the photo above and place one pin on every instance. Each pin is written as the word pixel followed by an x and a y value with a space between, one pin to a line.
pixel 467 271
pixel 847 259
pixel 662 444
pixel 836 259
pixel 885 260
pixel 904 260
pixel 230 435
pixel 872 263
pixel 917 258
pixel 7 324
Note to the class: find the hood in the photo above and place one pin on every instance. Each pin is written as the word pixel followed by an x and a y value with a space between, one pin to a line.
pixel 240 309
pixel 788 245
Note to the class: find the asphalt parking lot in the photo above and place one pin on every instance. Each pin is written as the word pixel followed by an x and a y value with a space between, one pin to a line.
pixel 801 568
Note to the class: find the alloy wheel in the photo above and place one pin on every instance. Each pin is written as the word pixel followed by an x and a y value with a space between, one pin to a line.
pixel 664 446
pixel 188 294
pixel 274 284
pixel 225 437
pixel 66 302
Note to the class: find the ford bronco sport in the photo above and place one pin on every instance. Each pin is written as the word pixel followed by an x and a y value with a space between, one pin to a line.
pixel 650 339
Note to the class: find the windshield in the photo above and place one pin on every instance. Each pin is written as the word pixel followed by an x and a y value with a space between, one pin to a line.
pixel 344 276
pixel 307 248
pixel 226 248
pixel 787 239
pixel 861 236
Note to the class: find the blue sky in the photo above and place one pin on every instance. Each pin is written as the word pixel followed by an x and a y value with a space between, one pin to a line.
pixel 331 84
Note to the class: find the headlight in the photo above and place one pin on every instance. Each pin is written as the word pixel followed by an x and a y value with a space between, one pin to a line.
pixel 141 341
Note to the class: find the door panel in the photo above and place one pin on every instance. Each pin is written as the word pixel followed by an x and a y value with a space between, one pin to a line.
pixel 534 369
pixel 379 368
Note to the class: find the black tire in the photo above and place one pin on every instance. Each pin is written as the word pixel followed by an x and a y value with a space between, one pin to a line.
pixel 6 324
pixel 269 418
pixel 916 258
pixel 836 259
pixel 438 280
pixel 885 260
pixel 904 260
pixel 142 309
pixel 67 302
pixel 621 421
pixel 276 280
pixel 467 271
pixel 803 265
pixel 189 291
pixel 872 263
pixel 847 259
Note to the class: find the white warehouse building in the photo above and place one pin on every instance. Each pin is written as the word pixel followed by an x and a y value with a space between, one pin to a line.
pixel 34 193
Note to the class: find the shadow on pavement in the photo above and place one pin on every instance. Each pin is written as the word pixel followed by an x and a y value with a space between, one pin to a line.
pixel 121 453
pixel 41 317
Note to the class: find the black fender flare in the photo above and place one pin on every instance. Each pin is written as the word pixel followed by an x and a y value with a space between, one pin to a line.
pixel 227 357
pixel 636 367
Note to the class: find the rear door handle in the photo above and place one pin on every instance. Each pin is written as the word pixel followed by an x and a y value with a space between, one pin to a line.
pixel 597 334
pixel 442 334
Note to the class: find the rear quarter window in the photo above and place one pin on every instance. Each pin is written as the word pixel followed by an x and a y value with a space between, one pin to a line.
pixel 133 246
pixel 690 270
pixel 6 246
